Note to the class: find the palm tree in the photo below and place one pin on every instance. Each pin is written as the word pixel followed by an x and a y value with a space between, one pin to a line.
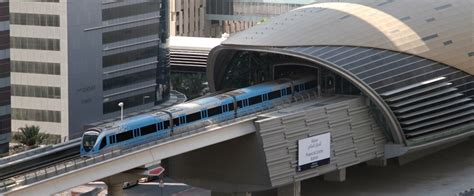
pixel 30 136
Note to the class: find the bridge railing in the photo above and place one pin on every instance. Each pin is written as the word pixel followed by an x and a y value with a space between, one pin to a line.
pixel 58 169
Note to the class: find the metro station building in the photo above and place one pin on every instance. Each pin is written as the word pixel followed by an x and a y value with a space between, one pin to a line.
pixel 415 63
pixel 411 61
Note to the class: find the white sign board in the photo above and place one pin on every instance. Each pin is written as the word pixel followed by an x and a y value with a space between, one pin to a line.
pixel 314 151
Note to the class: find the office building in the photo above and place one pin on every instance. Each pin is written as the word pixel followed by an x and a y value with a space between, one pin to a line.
pixel 212 18
pixel 74 61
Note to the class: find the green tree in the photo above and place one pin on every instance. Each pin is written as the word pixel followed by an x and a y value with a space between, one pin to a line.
pixel 30 136
pixel 191 84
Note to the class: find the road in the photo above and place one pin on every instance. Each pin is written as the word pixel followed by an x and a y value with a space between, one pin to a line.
pixel 447 172
pixel 170 189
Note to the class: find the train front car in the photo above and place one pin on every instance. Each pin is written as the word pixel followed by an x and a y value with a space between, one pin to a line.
pixel 89 142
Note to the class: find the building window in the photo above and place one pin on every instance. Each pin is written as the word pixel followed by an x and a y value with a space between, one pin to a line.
pixel 36 115
pixel 449 42
pixel 34 19
pixel 430 19
pixel 443 7
pixel 130 33
pixel 129 79
pixel 36 67
pixel 405 18
pixel 5 95
pixel 130 10
pixel 385 3
pixel 430 37
pixel 34 43
pixel 4 68
pixel 4 11
pixel 129 102
pixel 129 56
pixel 5 124
pixel 36 91
pixel 4 40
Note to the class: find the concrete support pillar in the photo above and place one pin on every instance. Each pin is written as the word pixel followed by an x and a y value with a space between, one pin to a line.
pixel 290 190
pixel 115 189
pixel 377 162
pixel 115 183
pixel 230 194
pixel 336 176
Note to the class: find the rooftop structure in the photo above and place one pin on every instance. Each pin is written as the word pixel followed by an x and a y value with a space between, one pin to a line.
pixel 190 53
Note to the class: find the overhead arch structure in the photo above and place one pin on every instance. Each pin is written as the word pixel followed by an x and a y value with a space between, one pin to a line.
pixel 414 60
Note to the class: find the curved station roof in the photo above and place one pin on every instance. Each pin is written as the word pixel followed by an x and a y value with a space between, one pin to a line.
pixel 413 59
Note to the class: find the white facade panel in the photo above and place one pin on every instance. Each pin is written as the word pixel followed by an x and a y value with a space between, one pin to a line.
pixel 37 56
pixel 36 79
pixel 36 7
pixel 35 31
pixel 36 103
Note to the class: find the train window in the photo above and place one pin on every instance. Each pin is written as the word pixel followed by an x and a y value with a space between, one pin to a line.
pixel 214 111
pixel 297 88
pixel 193 117
pixel 124 136
pixel 274 95
pixel 148 129
pixel 111 139
pixel 176 122
pixel 255 100
pixel 231 106
pixel 166 124
pixel 103 143
pixel 288 90
pixel 310 84
pixel 160 126
pixel 239 104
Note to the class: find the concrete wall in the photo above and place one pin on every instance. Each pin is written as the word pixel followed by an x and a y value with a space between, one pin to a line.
pixel 233 166
pixel 84 72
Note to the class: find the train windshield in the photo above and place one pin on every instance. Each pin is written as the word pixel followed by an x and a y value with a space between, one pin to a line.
pixel 89 139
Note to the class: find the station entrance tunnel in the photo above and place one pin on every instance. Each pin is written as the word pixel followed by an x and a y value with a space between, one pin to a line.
pixel 248 68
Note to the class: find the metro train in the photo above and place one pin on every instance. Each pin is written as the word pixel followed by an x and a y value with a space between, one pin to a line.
pixel 192 115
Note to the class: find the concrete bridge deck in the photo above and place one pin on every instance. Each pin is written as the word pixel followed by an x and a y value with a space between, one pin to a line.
pixel 354 140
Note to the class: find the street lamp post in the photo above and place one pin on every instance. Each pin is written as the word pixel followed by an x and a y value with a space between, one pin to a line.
pixel 121 110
